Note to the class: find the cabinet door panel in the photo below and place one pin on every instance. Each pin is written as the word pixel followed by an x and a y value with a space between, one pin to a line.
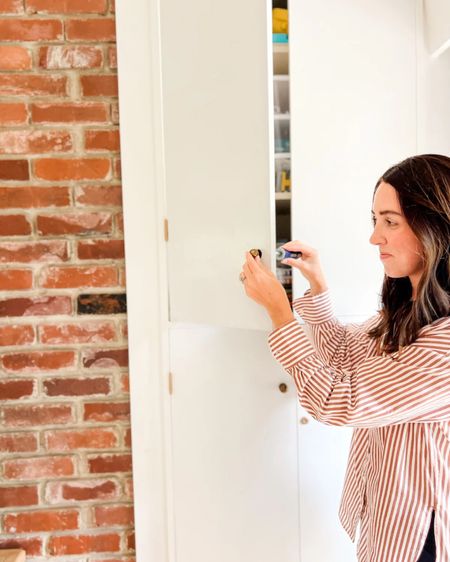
pixel 433 93
pixel 234 443
pixel 353 112
pixel 218 128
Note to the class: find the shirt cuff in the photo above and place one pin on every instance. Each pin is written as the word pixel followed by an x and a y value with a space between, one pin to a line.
pixel 289 344
pixel 314 309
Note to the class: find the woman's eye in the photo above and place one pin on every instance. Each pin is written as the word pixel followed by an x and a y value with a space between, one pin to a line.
pixel 388 222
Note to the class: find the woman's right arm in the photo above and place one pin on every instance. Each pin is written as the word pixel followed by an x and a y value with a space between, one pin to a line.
pixel 339 345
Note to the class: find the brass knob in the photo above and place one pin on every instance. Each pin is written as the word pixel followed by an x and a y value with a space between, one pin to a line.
pixel 304 421
pixel 256 252
pixel 283 387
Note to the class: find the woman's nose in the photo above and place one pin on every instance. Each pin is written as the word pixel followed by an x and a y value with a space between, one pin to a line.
pixel 376 238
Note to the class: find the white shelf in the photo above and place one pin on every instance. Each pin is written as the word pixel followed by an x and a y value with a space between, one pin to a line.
pixel 282 116
pixel 282 154
pixel 282 195
pixel 281 77
pixel 280 47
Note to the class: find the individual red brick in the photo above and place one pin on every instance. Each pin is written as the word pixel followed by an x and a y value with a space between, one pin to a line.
pixel 131 541
pixel 13 113
pixel 128 485
pixel 13 390
pixel 11 6
pixel 15 279
pixel 30 29
pixel 13 57
pixel 115 113
pixel 56 169
pixel 38 467
pixel 95 29
pixel 35 361
pixel 117 168
pixel 81 490
pixel 32 546
pixel 107 411
pixel 110 463
pixel 73 277
pixel 16 170
pixel 32 85
pixel 14 225
pixel 42 414
pixel 65 386
pixel 19 334
pixel 26 252
pixel 102 140
pixel 87 112
pixel 18 443
pixel 101 250
pixel 66 6
pixel 41 521
pixel 102 195
pixel 112 6
pixel 15 496
pixel 74 223
pixel 122 277
pixel 85 332
pixel 68 440
pixel 125 383
pixel 105 358
pixel 119 223
pixel 37 306
pixel 99 85
pixel 127 439
pixel 65 57
pixel 107 516
pixel 32 197
pixel 79 544
pixel 112 57
pixel 101 303
pixel 34 142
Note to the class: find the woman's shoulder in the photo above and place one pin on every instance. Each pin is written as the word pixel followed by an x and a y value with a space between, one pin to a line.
pixel 435 336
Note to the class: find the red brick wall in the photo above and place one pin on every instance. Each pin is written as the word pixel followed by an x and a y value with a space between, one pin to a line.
pixel 65 463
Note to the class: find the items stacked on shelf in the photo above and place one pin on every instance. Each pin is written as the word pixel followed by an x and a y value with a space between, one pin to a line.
pixel 282 138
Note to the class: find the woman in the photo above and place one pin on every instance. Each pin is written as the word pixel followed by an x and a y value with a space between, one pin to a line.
pixel 389 377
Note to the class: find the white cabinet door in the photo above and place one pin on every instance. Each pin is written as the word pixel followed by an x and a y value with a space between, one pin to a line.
pixel 234 440
pixel 353 114
pixel 218 129
pixel 433 91
pixel 436 26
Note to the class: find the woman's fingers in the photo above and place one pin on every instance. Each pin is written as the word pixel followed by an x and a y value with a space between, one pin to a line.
pixel 250 261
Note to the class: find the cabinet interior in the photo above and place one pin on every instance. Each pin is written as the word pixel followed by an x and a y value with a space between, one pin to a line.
pixel 282 155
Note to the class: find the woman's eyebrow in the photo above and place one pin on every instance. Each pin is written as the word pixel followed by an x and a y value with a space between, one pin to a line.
pixel 388 213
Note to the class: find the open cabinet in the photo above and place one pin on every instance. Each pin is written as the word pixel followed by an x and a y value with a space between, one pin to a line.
pixel 226 465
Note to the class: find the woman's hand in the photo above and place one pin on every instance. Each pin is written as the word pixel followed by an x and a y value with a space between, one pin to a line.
pixel 263 287
pixel 308 264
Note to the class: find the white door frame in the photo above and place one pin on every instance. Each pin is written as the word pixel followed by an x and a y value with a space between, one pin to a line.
pixel 142 159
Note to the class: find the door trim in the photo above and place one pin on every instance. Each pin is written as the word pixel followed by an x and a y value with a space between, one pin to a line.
pixel 143 188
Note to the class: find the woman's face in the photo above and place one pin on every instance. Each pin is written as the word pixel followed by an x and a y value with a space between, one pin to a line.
pixel 400 249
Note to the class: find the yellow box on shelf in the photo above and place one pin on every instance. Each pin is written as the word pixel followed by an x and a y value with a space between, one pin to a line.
pixel 279 20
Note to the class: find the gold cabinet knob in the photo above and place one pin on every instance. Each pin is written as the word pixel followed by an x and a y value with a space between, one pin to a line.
pixel 283 387
pixel 304 420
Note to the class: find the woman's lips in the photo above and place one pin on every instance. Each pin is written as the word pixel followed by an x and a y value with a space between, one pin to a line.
pixel 385 256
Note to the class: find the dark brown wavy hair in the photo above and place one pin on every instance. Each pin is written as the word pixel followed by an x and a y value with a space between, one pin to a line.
pixel 422 184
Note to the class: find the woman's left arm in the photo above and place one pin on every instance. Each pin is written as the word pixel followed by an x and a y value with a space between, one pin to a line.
pixel 410 386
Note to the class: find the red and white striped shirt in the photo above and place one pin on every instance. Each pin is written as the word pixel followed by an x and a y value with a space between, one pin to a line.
pixel 399 404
